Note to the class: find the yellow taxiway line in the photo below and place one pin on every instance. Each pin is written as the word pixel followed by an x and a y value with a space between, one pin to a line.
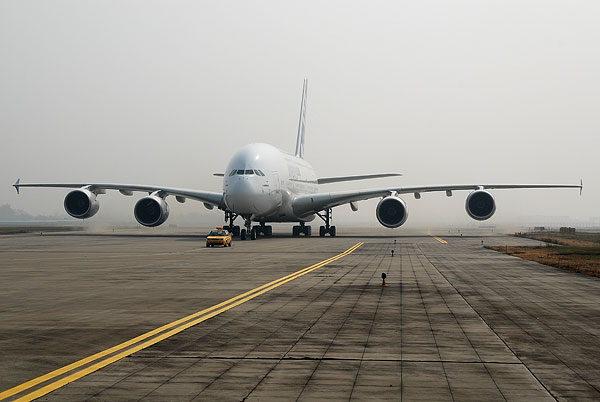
pixel 96 361
pixel 439 239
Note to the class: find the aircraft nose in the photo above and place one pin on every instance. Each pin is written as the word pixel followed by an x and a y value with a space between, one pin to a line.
pixel 240 196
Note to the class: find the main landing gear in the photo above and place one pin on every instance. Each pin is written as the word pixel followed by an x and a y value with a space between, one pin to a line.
pixel 302 228
pixel 323 230
pixel 230 216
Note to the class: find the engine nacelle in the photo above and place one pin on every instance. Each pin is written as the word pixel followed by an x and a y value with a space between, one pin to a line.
pixel 81 203
pixel 480 205
pixel 151 211
pixel 392 212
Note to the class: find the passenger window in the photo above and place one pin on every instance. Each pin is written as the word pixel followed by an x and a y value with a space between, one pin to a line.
pixel 241 171
pixel 249 171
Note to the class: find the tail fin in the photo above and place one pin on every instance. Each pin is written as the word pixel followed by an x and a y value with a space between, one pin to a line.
pixel 302 123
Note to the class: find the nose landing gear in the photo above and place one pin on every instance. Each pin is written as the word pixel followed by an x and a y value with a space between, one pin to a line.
pixel 248 230
pixel 323 230
pixel 251 231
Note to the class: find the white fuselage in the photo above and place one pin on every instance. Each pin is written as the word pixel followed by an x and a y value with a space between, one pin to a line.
pixel 261 181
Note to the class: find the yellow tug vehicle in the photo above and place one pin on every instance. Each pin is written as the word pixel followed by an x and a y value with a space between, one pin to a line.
pixel 218 237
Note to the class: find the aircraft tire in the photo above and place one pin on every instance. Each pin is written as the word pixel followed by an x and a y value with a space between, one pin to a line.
pixel 243 234
pixel 253 233
pixel 332 231
pixel 308 231
pixel 296 231
pixel 236 230
pixel 322 231
pixel 268 231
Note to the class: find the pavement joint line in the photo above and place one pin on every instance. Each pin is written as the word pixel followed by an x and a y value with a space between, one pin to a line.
pixel 550 393
pixel 187 322
pixel 307 358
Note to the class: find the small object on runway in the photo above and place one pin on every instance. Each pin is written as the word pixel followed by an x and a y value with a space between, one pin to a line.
pixel 383 276
pixel 392 253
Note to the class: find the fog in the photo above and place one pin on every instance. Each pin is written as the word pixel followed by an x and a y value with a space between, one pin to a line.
pixel 443 92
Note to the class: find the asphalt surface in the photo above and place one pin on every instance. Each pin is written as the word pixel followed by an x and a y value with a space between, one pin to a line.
pixel 456 321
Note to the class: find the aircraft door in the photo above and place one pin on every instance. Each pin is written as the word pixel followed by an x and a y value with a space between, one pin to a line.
pixel 275 186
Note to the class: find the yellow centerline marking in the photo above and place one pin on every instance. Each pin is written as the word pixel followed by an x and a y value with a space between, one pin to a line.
pixel 439 239
pixel 189 321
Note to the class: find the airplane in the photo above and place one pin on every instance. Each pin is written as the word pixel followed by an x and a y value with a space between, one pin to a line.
pixel 263 184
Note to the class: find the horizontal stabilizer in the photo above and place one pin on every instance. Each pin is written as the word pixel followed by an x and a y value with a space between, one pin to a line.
pixel 326 180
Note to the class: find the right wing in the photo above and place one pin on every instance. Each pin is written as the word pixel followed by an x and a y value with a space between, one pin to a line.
pixel 307 204
pixel 207 197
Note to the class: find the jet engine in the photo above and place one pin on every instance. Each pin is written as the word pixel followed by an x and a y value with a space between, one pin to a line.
pixel 81 203
pixel 480 205
pixel 151 211
pixel 392 212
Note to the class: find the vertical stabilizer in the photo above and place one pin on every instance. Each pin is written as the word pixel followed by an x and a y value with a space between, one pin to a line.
pixel 302 123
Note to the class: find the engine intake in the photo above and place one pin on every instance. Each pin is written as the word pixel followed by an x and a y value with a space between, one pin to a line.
pixel 392 212
pixel 480 205
pixel 81 204
pixel 151 211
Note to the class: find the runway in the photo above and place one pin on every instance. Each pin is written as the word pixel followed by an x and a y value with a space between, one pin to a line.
pixel 292 319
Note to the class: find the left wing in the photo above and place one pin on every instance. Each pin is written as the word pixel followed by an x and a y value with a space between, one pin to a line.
pixel 311 203
pixel 327 180
pixel 207 197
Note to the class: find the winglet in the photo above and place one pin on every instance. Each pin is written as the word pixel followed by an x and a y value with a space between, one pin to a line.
pixel 16 185
pixel 581 187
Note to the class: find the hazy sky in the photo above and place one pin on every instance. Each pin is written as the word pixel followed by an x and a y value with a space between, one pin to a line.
pixel 165 92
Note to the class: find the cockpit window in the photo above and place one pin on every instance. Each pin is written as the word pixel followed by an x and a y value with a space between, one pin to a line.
pixel 256 172
pixel 240 171
pixel 249 171
pixel 232 172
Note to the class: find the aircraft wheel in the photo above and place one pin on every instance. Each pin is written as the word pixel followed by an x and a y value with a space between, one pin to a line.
pixel 243 234
pixel 268 231
pixel 236 230
pixel 253 234
pixel 322 231
pixel 296 231
pixel 332 232
pixel 308 231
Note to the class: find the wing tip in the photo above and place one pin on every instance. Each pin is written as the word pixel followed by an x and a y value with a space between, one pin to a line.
pixel 16 185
